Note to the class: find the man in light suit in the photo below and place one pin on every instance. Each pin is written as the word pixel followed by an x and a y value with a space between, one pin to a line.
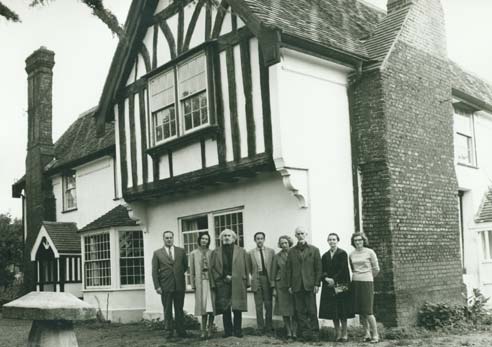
pixel 303 270
pixel 261 260
pixel 169 265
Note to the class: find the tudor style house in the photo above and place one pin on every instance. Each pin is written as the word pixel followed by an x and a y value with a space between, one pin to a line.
pixel 262 115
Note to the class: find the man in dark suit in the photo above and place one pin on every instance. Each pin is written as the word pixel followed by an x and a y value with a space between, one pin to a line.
pixel 169 265
pixel 303 270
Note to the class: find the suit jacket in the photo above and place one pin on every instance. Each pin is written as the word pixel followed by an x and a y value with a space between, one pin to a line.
pixel 254 257
pixel 169 274
pixel 240 280
pixel 279 273
pixel 336 267
pixel 303 268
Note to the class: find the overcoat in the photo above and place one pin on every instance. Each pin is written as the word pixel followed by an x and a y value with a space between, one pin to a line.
pixel 196 279
pixel 254 258
pixel 167 273
pixel 236 298
pixel 303 268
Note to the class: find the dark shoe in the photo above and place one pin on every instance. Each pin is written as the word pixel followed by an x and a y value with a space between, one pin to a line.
pixel 183 334
pixel 238 334
pixel 367 339
pixel 343 339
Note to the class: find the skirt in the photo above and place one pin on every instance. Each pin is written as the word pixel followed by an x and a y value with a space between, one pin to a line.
pixel 363 297
pixel 206 297
pixel 335 306
pixel 284 303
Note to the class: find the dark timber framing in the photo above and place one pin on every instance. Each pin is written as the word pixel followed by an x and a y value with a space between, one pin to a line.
pixel 208 21
pixel 219 107
pixel 143 134
pixel 170 158
pixel 180 30
pixel 146 58
pixel 122 138
pixel 169 37
pixel 219 18
pixel 265 101
pixel 192 24
pixel 133 140
pixel 248 96
pixel 202 151
pixel 231 82
pixel 154 46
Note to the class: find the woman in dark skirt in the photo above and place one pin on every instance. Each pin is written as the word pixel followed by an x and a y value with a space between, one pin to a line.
pixel 284 301
pixel 365 267
pixel 336 302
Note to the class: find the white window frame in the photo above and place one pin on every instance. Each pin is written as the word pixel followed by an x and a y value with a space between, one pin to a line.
pixel 85 261
pixel 469 135
pixel 485 237
pixel 114 241
pixel 118 234
pixel 179 100
pixel 66 189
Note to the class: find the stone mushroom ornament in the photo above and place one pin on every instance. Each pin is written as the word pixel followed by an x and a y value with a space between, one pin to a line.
pixel 52 314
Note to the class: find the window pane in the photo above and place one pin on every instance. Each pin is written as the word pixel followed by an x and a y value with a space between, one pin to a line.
pixel 191 228
pixel 97 263
pixel 233 221
pixel 131 257
pixel 489 232
pixel 464 149
pixel 192 76
pixel 165 123
pixel 162 90
pixel 463 122
pixel 69 192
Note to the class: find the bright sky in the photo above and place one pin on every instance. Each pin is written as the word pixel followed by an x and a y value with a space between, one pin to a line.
pixel 84 48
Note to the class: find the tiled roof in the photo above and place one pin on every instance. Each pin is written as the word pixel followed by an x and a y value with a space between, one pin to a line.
pixel 470 84
pixel 79 141
pixel 337 23
pixel 379 43
pixel 484 214
pixel 64 236
pixel 118 216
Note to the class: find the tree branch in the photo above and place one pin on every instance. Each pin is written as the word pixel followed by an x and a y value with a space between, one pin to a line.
pixel 8 13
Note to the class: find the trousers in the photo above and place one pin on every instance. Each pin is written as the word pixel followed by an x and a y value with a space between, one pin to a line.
pixel 306 311
pixel 176 299
pixel 263 298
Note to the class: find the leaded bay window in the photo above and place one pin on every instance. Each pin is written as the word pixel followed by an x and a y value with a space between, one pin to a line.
pixel 69 192
pixel 464 137
pixel 131 257
pixel 190 229
pixel 97 260
pixel 486 236
pixel 186 83
pixel 229 220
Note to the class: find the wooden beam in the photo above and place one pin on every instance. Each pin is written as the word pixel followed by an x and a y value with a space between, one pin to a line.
pixel 143 134
pixel 154 46
pixel 219 18
pixel 146 58
pixel 191 26
pixel 231 81
pixel 202 152
pixel 208 21
pixel 219 109
pixel 122 139
pixel 170 161
pixel 180 30
pixel 248 96
pixel 133 140
pixel 169 37
pixel 265 102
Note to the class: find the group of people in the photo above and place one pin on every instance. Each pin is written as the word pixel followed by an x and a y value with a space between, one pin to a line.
pixel 291 278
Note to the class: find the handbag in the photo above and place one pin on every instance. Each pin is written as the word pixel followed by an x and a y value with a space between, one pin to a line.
pixel 340 288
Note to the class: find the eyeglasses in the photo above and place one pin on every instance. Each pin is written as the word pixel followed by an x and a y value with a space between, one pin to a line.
pixel 358 240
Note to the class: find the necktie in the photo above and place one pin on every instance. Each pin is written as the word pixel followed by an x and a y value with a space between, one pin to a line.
pixel 263 267
pixel 170 253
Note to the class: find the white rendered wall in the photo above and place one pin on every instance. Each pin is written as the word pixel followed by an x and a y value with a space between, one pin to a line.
pixel 267 207
pixel 95 192
pixel 311 138
pixel 475 182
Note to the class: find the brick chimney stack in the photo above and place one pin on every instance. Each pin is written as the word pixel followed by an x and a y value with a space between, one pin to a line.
pixel 40 203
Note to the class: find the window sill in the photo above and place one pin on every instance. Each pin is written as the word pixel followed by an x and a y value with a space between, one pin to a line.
pixel 184 140
pixel 105 289
pixel 468 165
pixel 70 210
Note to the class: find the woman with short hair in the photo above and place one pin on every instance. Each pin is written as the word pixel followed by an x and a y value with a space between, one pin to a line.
pixel 200 282
pixel 365 267
pixel 284 301
pixel 336 301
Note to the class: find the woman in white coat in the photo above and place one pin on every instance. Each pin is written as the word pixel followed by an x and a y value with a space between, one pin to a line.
pixel 201 282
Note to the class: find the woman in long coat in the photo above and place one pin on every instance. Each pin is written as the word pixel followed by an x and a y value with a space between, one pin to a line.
pixel 284 301
pixel 336 301
pixel 230 274
pixel 201 283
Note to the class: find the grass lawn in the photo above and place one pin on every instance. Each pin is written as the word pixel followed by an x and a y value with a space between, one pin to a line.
pixel 13 333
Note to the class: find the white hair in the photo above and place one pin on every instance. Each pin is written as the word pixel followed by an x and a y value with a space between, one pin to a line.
pixel 228 231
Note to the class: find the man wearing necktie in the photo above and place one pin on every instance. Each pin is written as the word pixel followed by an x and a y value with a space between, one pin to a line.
pixel 169 265
pixel 261 260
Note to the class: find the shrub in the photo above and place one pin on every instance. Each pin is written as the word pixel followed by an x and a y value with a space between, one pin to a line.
pixel 190 322
pixel 432 316
pixel 475 310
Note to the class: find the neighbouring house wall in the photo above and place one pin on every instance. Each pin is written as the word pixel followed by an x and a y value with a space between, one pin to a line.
pixel 95 192
pixel 475 182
